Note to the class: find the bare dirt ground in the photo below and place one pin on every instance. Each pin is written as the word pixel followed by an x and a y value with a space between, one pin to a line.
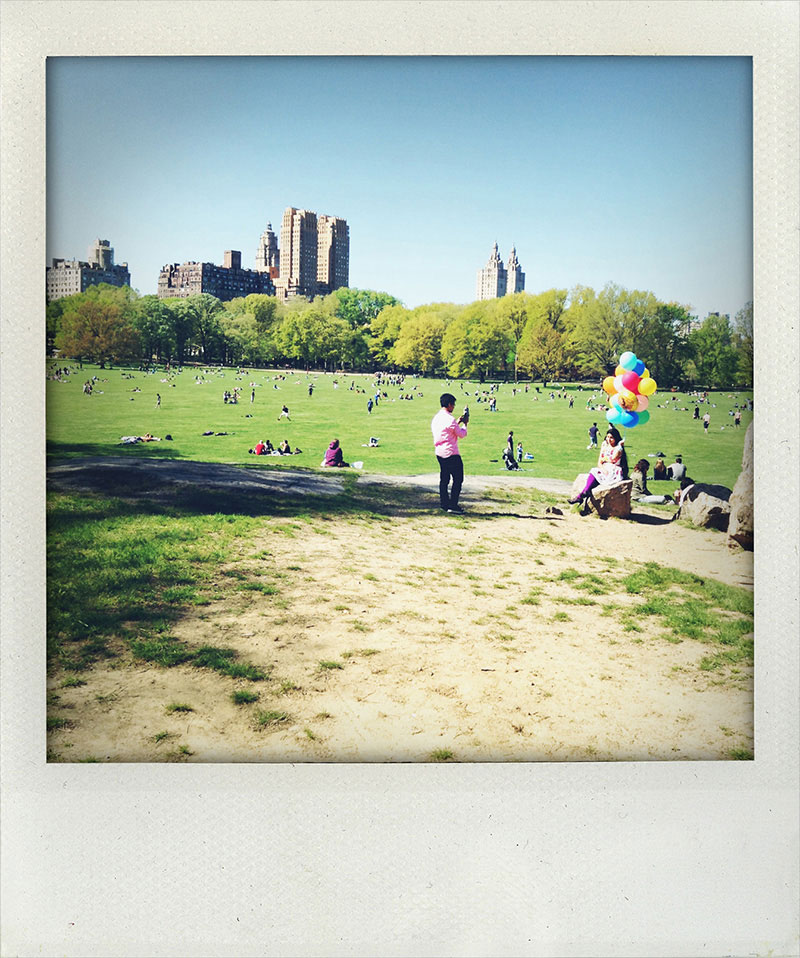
pixel 411 637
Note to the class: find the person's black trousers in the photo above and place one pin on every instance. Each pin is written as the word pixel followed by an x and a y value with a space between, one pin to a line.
pixel 450 467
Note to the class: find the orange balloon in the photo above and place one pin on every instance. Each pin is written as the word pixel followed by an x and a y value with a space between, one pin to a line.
pixel 608 385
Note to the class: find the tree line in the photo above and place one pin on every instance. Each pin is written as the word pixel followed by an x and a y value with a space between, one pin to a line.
pixel 552 335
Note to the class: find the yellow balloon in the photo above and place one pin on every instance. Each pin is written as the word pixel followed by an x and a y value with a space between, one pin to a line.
pixel 646 373
pixel 620 371
pixel 608 385
pixel 647 386
pixel 628 399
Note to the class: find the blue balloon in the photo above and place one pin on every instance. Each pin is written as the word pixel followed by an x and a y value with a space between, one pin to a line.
pixel 629 419
pixel 628 361
pixel 639 367
pixel 614 415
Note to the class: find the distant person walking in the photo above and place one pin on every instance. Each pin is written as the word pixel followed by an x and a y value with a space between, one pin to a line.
pixel 158 400
pixel 593 436
pixel 252 395
pixel 737 418
pixel 519 452
pixel 706 422
pixel 447 430
pixel 285 414
pixel 369 406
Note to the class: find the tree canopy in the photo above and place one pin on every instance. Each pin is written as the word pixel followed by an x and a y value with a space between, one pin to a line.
pixel 553 334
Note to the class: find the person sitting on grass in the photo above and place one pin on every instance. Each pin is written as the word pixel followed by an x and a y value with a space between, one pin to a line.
pixel 660 470
pixel 611 465
pixel 284 448
pixel 640 492
pixel 334 457
pixel 508 457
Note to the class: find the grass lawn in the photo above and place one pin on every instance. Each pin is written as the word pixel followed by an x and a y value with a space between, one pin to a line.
pixel 124 403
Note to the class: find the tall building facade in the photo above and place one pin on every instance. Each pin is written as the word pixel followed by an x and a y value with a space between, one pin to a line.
pixel 298 254
pixel 314 254
pixel 492 279
pixel 67 277
pixel 333 254
pixel 268 257
pixel 515 278
pixel 496 280
pixel 225 282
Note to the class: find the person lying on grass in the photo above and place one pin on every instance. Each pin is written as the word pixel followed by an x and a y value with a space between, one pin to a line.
pixel 640 492
pixel 334 456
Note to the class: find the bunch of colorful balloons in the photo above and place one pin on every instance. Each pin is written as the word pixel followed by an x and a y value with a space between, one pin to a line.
pixel 629 391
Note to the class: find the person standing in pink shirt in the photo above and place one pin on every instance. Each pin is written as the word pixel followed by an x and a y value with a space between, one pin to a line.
pixel 447 430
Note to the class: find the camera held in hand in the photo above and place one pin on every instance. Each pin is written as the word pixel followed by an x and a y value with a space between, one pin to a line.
pixel 465 415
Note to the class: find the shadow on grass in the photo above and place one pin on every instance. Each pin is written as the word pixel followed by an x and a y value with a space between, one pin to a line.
pixel 139 450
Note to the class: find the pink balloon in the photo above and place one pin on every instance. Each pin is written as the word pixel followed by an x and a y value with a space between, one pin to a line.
pixel 630 381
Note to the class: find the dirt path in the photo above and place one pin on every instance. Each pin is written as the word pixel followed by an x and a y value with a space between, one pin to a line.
pixel 467 637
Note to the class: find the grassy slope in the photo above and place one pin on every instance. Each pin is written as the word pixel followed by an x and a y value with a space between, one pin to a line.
pixel 80 425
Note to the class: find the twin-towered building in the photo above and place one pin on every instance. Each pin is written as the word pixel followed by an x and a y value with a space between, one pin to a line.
pixel 313 259
pixel 496 280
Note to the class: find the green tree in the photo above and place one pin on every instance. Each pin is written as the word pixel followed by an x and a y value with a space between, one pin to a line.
pixel 663 346
pixel 180 318
pixel 419 343
pixel 605 325
pixel 477 342
pixel 383 332
pixel 152 319
pixel 207 330
pixel 743 342
pixel 98 326
pixel 359 307
pixel 713 353
pixel 543 351
pixel 300 335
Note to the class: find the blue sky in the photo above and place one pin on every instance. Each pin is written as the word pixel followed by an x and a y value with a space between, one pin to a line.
pixel 633 170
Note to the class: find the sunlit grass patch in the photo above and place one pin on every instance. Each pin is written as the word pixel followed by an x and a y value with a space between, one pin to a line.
pixel 55 722
pixel 178 707
pixel 327 665
pixel 243 697
pixel 442 755
pixel 265 718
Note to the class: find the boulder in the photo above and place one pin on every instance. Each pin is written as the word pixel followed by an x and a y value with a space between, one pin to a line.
pixel 707 505
pixel 740 524
pixel 608 501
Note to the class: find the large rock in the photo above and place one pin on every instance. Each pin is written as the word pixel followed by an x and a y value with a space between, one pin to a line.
pixel 740 525
pixel 608 501
pixel 707 505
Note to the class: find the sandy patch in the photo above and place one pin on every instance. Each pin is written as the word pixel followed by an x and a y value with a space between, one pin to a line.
pixel 453 634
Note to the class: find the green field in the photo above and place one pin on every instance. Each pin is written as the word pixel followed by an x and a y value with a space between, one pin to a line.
pixel 192 403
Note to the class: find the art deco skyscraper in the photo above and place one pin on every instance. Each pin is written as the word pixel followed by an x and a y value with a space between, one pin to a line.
pixel 268 255
pixel 298 256
pixel 492 279
pixel 333 254
pixel 515 277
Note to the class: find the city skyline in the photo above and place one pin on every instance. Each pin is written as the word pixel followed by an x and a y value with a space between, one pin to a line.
pixel 636 171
